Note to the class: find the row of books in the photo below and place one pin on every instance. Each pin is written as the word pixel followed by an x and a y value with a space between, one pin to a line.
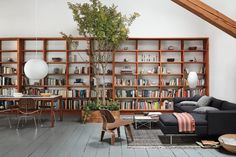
pixel 125 93
pixel 55 82
pixel 6 104
pixel 7 70
pixel 74 104
pixel 7 91
pixel 187 93
pixel 7 81
pixel 83 93
pixel 125 82
pixel 200 82
pixel 145 105
pixel 145 82
pixel 149 93
pixel 171 93
pixel 107 92
pixel 172 82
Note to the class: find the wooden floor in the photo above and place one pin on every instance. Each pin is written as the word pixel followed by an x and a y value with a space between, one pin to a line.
pixel 73 139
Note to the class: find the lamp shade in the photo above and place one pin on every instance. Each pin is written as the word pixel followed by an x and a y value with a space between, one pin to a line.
pixel 36 69
pixel 192 79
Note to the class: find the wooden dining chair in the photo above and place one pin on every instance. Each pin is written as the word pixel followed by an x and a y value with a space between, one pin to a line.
pixel 110 124
pixel 27 109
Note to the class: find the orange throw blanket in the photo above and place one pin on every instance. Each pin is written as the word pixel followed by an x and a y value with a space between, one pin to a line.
pixel 186 122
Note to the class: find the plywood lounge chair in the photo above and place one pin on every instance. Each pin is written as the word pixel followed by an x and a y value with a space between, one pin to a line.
pixel 110 124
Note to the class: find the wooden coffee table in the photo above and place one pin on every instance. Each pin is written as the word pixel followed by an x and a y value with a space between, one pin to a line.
pixel 146 121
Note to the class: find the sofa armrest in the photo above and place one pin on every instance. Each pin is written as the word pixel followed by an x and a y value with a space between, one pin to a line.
pixel 221 122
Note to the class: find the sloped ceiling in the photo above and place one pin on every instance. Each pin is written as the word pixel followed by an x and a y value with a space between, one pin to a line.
pixel 209 14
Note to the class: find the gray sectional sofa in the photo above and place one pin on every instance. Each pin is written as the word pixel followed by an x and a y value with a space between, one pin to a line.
pixel 211 123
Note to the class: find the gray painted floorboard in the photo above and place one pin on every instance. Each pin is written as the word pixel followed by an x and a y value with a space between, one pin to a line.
pixel 73 139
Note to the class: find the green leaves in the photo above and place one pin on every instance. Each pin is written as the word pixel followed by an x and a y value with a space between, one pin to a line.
pixel 108 26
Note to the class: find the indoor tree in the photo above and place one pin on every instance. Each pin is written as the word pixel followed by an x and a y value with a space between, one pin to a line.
pixel 107 27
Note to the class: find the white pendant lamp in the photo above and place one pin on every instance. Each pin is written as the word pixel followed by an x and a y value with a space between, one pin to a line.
pixel 36 69
pixel 192 79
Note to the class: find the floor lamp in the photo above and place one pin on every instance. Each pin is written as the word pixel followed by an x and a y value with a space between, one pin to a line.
pixel 192 81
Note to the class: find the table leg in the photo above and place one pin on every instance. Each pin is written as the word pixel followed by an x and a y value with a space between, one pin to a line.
pixel 52 116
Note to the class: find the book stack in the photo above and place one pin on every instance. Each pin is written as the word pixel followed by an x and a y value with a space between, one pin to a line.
pixel 55 82
pixel 61 92
pixel 126 70
pixel 83 93
pixel 125 82
pixel 7 81
pixel 201 82
pixel 7 70
pixel 7 91
pixel 125 93
pixel 149 93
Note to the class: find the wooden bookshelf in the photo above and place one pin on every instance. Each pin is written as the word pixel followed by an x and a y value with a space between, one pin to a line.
pixel 147 58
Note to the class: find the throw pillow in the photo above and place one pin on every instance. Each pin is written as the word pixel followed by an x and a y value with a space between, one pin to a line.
pixel 192 103
pixel 204 101
pixel 204 109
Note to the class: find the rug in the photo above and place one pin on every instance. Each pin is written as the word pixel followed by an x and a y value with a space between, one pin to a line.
pixel 151 138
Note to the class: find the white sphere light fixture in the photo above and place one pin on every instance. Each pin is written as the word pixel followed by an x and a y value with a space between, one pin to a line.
pixel 36 69
pixel 192 79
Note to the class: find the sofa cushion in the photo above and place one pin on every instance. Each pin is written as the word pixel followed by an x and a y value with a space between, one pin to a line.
pixel 216 103
pixel 193 103
pixel 179 99
pixel 187 108
pixel 204 101
pixel 170 119
pixel 228 106
pixel 196 97
pixel 204 109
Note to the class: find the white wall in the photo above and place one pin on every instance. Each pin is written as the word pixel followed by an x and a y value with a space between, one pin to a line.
pixel 159 18
pixel 222 54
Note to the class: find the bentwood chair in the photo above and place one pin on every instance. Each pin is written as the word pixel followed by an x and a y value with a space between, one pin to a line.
pixel 110 124
pixel 27 109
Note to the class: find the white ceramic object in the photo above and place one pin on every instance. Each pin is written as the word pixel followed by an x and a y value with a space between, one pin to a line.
pixel 192 79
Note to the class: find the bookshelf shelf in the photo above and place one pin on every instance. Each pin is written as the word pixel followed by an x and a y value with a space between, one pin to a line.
pixel 142 63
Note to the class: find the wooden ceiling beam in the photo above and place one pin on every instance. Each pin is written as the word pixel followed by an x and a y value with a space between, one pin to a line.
pixel 209 14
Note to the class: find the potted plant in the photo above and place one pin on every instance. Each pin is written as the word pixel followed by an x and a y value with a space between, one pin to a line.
pixel 91 112
pixel 107 27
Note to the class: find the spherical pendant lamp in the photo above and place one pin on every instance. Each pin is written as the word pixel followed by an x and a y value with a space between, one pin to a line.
pixel 192 79
pixel 36 69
